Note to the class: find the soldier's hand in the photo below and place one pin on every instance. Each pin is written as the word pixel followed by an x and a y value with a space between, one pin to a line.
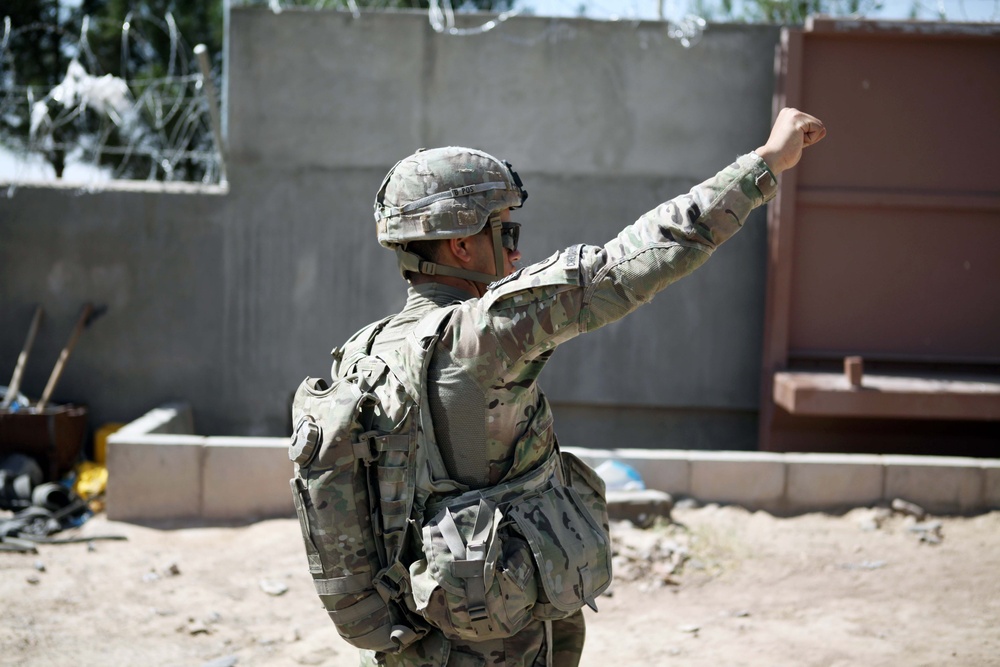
pixel 793 130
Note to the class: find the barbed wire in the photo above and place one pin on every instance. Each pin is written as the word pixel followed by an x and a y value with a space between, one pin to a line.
pixel 139 126
pixel 128 126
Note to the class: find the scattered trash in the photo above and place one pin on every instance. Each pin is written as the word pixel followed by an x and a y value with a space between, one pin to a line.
pixel 33 579
pixel 912 509
pixel 173 570
pixel 40 566
pixel 272 587
pixel 691 629
pixel 43 509
pixel 929 532
pixel 655 560
pixel 619 476
pixel 641 506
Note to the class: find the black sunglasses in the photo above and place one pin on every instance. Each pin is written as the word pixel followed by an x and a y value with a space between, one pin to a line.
pixel 510 232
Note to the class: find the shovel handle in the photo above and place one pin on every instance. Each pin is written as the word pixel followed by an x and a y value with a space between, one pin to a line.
pixel 88 309
pixel 22 359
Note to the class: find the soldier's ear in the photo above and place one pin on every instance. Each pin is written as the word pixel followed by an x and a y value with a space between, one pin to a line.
pixel 460 249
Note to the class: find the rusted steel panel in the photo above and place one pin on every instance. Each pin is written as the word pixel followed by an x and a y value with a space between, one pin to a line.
pixel 898 396
pixel 885 241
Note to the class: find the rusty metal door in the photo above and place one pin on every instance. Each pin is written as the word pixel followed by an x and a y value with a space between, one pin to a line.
pixel 884 244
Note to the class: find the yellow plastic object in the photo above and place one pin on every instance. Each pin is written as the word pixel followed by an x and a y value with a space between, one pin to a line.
pixel 91 479
pixel 101 440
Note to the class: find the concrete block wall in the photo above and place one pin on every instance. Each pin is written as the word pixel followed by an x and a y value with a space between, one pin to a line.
pixel 158 469
pixel 796 483
pixel 172 475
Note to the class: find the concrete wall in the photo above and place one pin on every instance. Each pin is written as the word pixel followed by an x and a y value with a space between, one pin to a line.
pixel 227 300
pixel 158 470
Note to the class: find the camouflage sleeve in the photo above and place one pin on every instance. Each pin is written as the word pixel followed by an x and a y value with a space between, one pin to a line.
pixel 585 287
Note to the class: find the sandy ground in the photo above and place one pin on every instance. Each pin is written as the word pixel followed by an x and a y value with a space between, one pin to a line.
pixel 719 587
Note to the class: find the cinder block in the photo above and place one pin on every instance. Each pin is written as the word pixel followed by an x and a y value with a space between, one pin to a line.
pixel 154 477
pixel 941 485
pixel 755 480
pixel 991 484
pixel 667 470
pixel 175 418
pixel 832 481
pixel 246 478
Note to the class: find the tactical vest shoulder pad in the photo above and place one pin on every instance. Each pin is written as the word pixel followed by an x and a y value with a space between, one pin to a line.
pixel 561 268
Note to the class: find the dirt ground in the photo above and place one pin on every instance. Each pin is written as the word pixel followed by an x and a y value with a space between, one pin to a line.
pixel 722 586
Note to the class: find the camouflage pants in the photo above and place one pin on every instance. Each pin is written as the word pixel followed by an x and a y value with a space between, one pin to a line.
pixel 525 649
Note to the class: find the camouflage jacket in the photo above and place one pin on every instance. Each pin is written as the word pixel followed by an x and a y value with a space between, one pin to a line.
pixel 493 349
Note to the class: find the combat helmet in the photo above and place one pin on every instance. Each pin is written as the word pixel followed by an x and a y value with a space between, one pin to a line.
pixel 445 193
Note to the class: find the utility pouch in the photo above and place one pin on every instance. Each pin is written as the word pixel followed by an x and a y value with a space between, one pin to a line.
pixel 476 581
pixel 566 526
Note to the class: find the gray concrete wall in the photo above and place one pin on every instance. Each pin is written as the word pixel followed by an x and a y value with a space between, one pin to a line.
pixel 227 300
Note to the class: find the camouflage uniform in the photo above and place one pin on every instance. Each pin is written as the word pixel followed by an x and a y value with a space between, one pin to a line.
pixel 491 352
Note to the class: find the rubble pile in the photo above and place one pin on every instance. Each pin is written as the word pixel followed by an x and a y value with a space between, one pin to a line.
pixel 655 556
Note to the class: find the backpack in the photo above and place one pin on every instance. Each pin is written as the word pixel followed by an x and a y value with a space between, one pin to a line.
pixel 391 557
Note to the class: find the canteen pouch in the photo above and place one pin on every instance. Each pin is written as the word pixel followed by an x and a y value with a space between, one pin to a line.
pixel 332 495
pixel 476 580
pixel 566 526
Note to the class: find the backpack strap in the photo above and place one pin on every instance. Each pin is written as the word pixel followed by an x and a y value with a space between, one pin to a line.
pixel 357 346
pixel 409 362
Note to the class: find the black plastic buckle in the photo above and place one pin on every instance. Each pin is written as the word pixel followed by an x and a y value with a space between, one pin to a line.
pixel 366 447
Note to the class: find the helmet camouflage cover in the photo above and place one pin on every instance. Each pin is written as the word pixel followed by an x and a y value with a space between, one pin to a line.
pixel 443 193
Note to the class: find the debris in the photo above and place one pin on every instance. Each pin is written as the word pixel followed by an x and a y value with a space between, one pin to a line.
pixel 40 566
pixel 197 628
pixel 272 587
pixel 641 507
pixel 691 629
pixel 173 570
pixel 865 565
pixel 150 577
pixel 654 557
pixel 906 507
pixel 927 531
pixel 8 543
pixel 225 661
pixel 33 579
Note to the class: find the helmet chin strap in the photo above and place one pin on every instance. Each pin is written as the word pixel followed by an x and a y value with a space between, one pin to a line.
pixel 409 262
pixel 413 263
pixel 496 226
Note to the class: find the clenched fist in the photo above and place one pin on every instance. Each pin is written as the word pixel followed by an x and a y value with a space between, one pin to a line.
pixel 793 130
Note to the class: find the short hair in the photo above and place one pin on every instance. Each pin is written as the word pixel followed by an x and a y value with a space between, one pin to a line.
pixel 426 249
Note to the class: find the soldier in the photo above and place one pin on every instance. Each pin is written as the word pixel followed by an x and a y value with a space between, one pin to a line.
pixel 447 214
